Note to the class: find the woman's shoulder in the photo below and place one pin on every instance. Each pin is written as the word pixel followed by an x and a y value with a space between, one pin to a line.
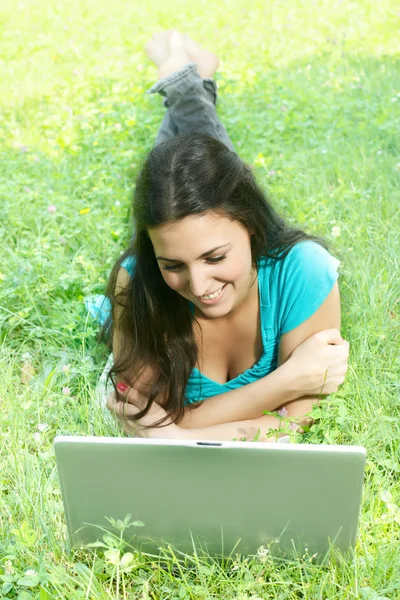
pixel 309 260
pixel 305 254
pixel 308 248
pixel 296 285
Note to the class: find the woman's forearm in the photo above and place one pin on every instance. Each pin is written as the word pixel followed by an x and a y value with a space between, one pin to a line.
pixel 244 403
pixel 249 430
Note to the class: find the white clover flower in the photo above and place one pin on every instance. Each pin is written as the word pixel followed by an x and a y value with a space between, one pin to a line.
pixel 65 368
pixel 8 568
pixel 36 437
pixel 42 426
pixel 26 356
pixel 66 391
pixel 335 231
pixel 30 573
pixel 262 554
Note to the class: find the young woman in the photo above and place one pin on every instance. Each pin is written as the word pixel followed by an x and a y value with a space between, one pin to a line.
pixel 220 311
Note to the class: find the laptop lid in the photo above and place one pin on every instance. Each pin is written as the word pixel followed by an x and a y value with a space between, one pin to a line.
pixel 220 496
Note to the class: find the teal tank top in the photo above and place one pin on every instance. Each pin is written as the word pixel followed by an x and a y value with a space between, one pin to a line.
pixel 290 291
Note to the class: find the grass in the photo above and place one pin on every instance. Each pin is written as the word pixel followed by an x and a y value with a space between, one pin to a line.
pixel 310 95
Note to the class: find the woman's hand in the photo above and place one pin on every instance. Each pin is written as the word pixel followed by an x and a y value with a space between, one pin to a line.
pixel 121 410
pixel 131 404
pixel 319 364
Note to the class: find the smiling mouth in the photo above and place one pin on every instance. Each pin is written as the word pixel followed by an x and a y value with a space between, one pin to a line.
pixel 213 295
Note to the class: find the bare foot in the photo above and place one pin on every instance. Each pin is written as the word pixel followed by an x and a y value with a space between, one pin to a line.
pixel 178 56
pixel 171 50
pixel 207 62
pixel 157 49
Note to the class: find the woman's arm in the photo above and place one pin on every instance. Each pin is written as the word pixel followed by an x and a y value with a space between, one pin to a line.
pixel 328 315
pixel 250 429
pixel 288 385
pixel 247 402
pixel 301 376
pixel 123 411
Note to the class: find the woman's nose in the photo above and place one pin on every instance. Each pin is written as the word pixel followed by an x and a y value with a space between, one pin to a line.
pixel 197 282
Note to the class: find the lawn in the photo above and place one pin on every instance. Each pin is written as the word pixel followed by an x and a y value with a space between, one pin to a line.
pixel 310 94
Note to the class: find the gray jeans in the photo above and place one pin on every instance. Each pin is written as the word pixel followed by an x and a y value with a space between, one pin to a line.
pixel 190 101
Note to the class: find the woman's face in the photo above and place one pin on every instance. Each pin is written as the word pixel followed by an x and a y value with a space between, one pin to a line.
pixel 207 260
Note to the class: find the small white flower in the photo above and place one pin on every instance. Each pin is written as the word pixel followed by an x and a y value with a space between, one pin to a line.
pixel 324 151
pixel 27 356
pixel 30 573
pixel 117 203
pixel 335 231
pixel 262 554
pixel 380 152
pixel 283 412
pixel 42 426
pixel 36 437
pixel 65 368
pixel 66 391
pixel 8 568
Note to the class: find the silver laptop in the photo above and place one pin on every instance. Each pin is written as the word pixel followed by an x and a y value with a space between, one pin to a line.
pixel 219 497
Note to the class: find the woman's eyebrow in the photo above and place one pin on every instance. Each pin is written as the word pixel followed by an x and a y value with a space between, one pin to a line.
pixel 204 255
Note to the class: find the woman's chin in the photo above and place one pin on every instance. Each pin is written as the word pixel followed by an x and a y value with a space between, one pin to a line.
pixel 216 311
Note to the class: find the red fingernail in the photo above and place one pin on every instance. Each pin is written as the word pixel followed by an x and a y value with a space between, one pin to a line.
pixel 122 387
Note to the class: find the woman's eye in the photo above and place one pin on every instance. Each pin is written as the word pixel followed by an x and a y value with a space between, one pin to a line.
pixel 212 261
pixel 215 260
pixel 172 267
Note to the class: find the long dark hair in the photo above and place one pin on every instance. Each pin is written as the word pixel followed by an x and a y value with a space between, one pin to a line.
pixel 187 175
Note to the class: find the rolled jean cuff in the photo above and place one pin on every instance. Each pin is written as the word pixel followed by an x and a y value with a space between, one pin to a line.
pixel 175 76
pixel 191 67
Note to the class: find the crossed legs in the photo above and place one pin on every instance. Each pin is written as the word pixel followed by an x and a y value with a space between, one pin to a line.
pixel 187 85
